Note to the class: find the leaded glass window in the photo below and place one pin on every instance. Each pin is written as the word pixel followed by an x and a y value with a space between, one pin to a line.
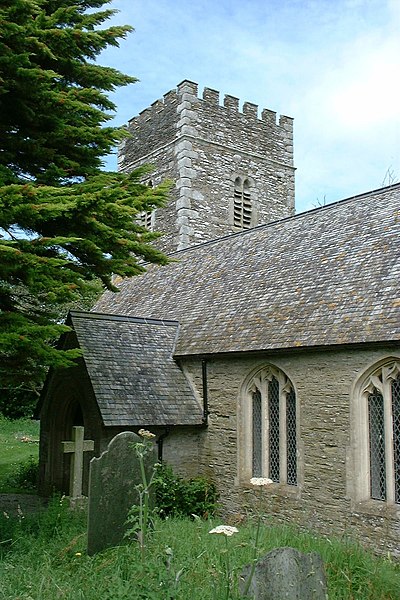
pixel 291 438
pixel 377 446
pixel 257 434
pixel 274 438
pixel 273 426
pixel 396 436
pixel 379 460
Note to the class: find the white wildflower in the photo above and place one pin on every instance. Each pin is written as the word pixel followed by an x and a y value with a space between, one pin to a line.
pixel 147 435
pixel 225 530
pixel 260 481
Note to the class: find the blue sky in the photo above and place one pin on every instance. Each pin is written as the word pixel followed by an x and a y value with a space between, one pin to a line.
pixel 333 65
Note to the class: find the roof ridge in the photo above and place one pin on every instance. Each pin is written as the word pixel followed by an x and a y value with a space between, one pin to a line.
pixel 125 318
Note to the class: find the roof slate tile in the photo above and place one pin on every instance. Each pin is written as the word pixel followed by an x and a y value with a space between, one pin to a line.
pixel 328 276
pixel 134 377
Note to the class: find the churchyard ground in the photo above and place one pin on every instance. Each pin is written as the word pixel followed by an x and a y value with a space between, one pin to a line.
pixel 19 445
pixel 44 556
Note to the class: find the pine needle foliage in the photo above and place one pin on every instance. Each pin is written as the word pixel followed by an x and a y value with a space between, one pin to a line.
pixel 65 225
pixel 53 96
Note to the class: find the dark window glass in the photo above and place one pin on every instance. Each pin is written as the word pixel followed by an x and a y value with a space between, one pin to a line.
pixel 377 446
pixel 273 409
pixel 257 434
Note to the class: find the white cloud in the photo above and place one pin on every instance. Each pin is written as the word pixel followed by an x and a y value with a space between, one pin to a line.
pixel 332 65
pixel 365 92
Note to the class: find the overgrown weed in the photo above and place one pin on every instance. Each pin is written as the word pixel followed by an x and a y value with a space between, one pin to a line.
pixel 47 559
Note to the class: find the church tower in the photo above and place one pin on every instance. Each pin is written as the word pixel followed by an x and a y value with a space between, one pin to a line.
pixel 232 170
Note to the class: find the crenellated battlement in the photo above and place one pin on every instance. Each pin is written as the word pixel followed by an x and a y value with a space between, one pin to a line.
pixel 187 91
pixel 206 144
pixel 170 99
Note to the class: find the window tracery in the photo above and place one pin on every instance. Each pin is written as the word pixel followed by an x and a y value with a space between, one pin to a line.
pixel 272 427
pixel 380 404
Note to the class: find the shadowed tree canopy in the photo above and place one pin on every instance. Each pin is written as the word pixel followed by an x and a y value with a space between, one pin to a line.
pixel 65 225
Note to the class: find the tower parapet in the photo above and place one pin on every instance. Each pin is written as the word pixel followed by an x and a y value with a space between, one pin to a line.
pixel 219 157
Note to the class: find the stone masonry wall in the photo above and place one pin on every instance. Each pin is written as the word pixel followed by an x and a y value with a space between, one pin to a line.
pixel 203 146
pixel 323 499
pixel 152 141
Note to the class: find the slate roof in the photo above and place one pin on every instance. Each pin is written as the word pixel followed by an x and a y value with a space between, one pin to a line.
pixel 327 276
pixel 134 377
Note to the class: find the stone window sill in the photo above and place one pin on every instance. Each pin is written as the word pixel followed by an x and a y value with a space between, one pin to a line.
pixel 377 508
pixel 277 489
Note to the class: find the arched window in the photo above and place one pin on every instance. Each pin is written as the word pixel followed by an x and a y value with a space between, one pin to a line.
pixel 242 206
pixel 270 427
pixel 377 434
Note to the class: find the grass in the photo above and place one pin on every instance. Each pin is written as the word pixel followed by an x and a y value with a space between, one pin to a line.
pixel 44 557
pixel 19 440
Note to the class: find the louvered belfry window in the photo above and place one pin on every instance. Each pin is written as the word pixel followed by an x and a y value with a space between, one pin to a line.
pixel 273 426
pixel 146 220
pixel 242 207
pixel 382 392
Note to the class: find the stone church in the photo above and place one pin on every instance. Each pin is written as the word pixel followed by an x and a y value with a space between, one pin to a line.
pixel 268 346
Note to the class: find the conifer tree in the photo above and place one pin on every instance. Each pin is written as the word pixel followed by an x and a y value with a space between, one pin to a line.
pixel 65 225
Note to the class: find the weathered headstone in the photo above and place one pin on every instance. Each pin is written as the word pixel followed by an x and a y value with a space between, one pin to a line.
pixel 286 574
pixel 77 447
pixel 112 492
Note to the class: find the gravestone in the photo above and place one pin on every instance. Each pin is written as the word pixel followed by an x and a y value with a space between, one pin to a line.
pixel 77 447
pixel 286 574
pixel 112 480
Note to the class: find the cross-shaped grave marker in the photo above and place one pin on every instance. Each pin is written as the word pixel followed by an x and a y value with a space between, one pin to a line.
pixel 77 447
